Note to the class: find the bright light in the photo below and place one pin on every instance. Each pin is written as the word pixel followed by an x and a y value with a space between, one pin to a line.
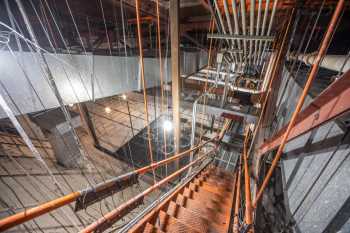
pixel 108 110
pixel 70 105
pixel 124 96
pixel 167 125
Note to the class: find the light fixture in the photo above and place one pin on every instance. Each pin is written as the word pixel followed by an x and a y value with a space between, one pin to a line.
pixel 124 96
pixel 167 125
pixel 108 110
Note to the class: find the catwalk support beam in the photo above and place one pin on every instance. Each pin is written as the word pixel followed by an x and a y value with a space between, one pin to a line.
pixel 175 69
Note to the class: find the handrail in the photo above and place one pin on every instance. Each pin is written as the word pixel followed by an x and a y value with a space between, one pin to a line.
pixel 46 207
pixel 115 214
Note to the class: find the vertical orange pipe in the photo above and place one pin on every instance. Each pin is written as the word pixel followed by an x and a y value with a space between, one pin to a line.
pixel 248 200
pixel 324 45
pixel 144 82
pixel 238 198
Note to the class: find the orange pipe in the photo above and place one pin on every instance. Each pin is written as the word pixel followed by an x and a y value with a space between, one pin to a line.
pixel 31 213
pixel 325 43
pixel 144 84
pixel 238 199
pixel 248 199
pixel 115 214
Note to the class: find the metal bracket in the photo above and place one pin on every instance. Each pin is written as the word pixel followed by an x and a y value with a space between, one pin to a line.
pixel 95 194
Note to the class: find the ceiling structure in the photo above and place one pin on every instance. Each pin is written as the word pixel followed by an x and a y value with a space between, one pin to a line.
pixel 109 124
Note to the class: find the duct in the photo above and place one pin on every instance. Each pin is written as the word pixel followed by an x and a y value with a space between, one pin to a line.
pixel 240 37
pixel 215 72
pixel 339 63
pixel 110 74
pixel 221 83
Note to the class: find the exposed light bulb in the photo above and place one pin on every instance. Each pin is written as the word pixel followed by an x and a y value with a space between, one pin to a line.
pixel 124 96
pixel 167 125
pixel 108 110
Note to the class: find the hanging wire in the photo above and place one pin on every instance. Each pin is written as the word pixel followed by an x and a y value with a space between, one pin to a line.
pixel 149 134
pixel 298 52
pixel 27 41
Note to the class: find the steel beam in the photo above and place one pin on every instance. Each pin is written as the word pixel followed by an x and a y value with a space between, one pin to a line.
pixel 330 104
pixel 240 37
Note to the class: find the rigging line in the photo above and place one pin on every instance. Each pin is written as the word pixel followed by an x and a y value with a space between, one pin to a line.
pixel 11 18
pixel 310 163
pixel 124 38
pixel 344 63
pixel 37 95
pixel 25 74
pixel 75 26
pixel 42 25
pixel 92 86
pixel 55 52
pixel 328 181
pixel 144 85
pixel 65 45
pixel 20 201
pixel 73 89
pixel 79 73
pixel 336 26
pixel 11 211
pixel 34 198
pixel 308 42
pixel 160 58
pixel 284 90
pixel 28 142
pixel 47 22
pixel 161 79
pixel 48 76
pixel 28 123
pixel 321 172
pixel 104 22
